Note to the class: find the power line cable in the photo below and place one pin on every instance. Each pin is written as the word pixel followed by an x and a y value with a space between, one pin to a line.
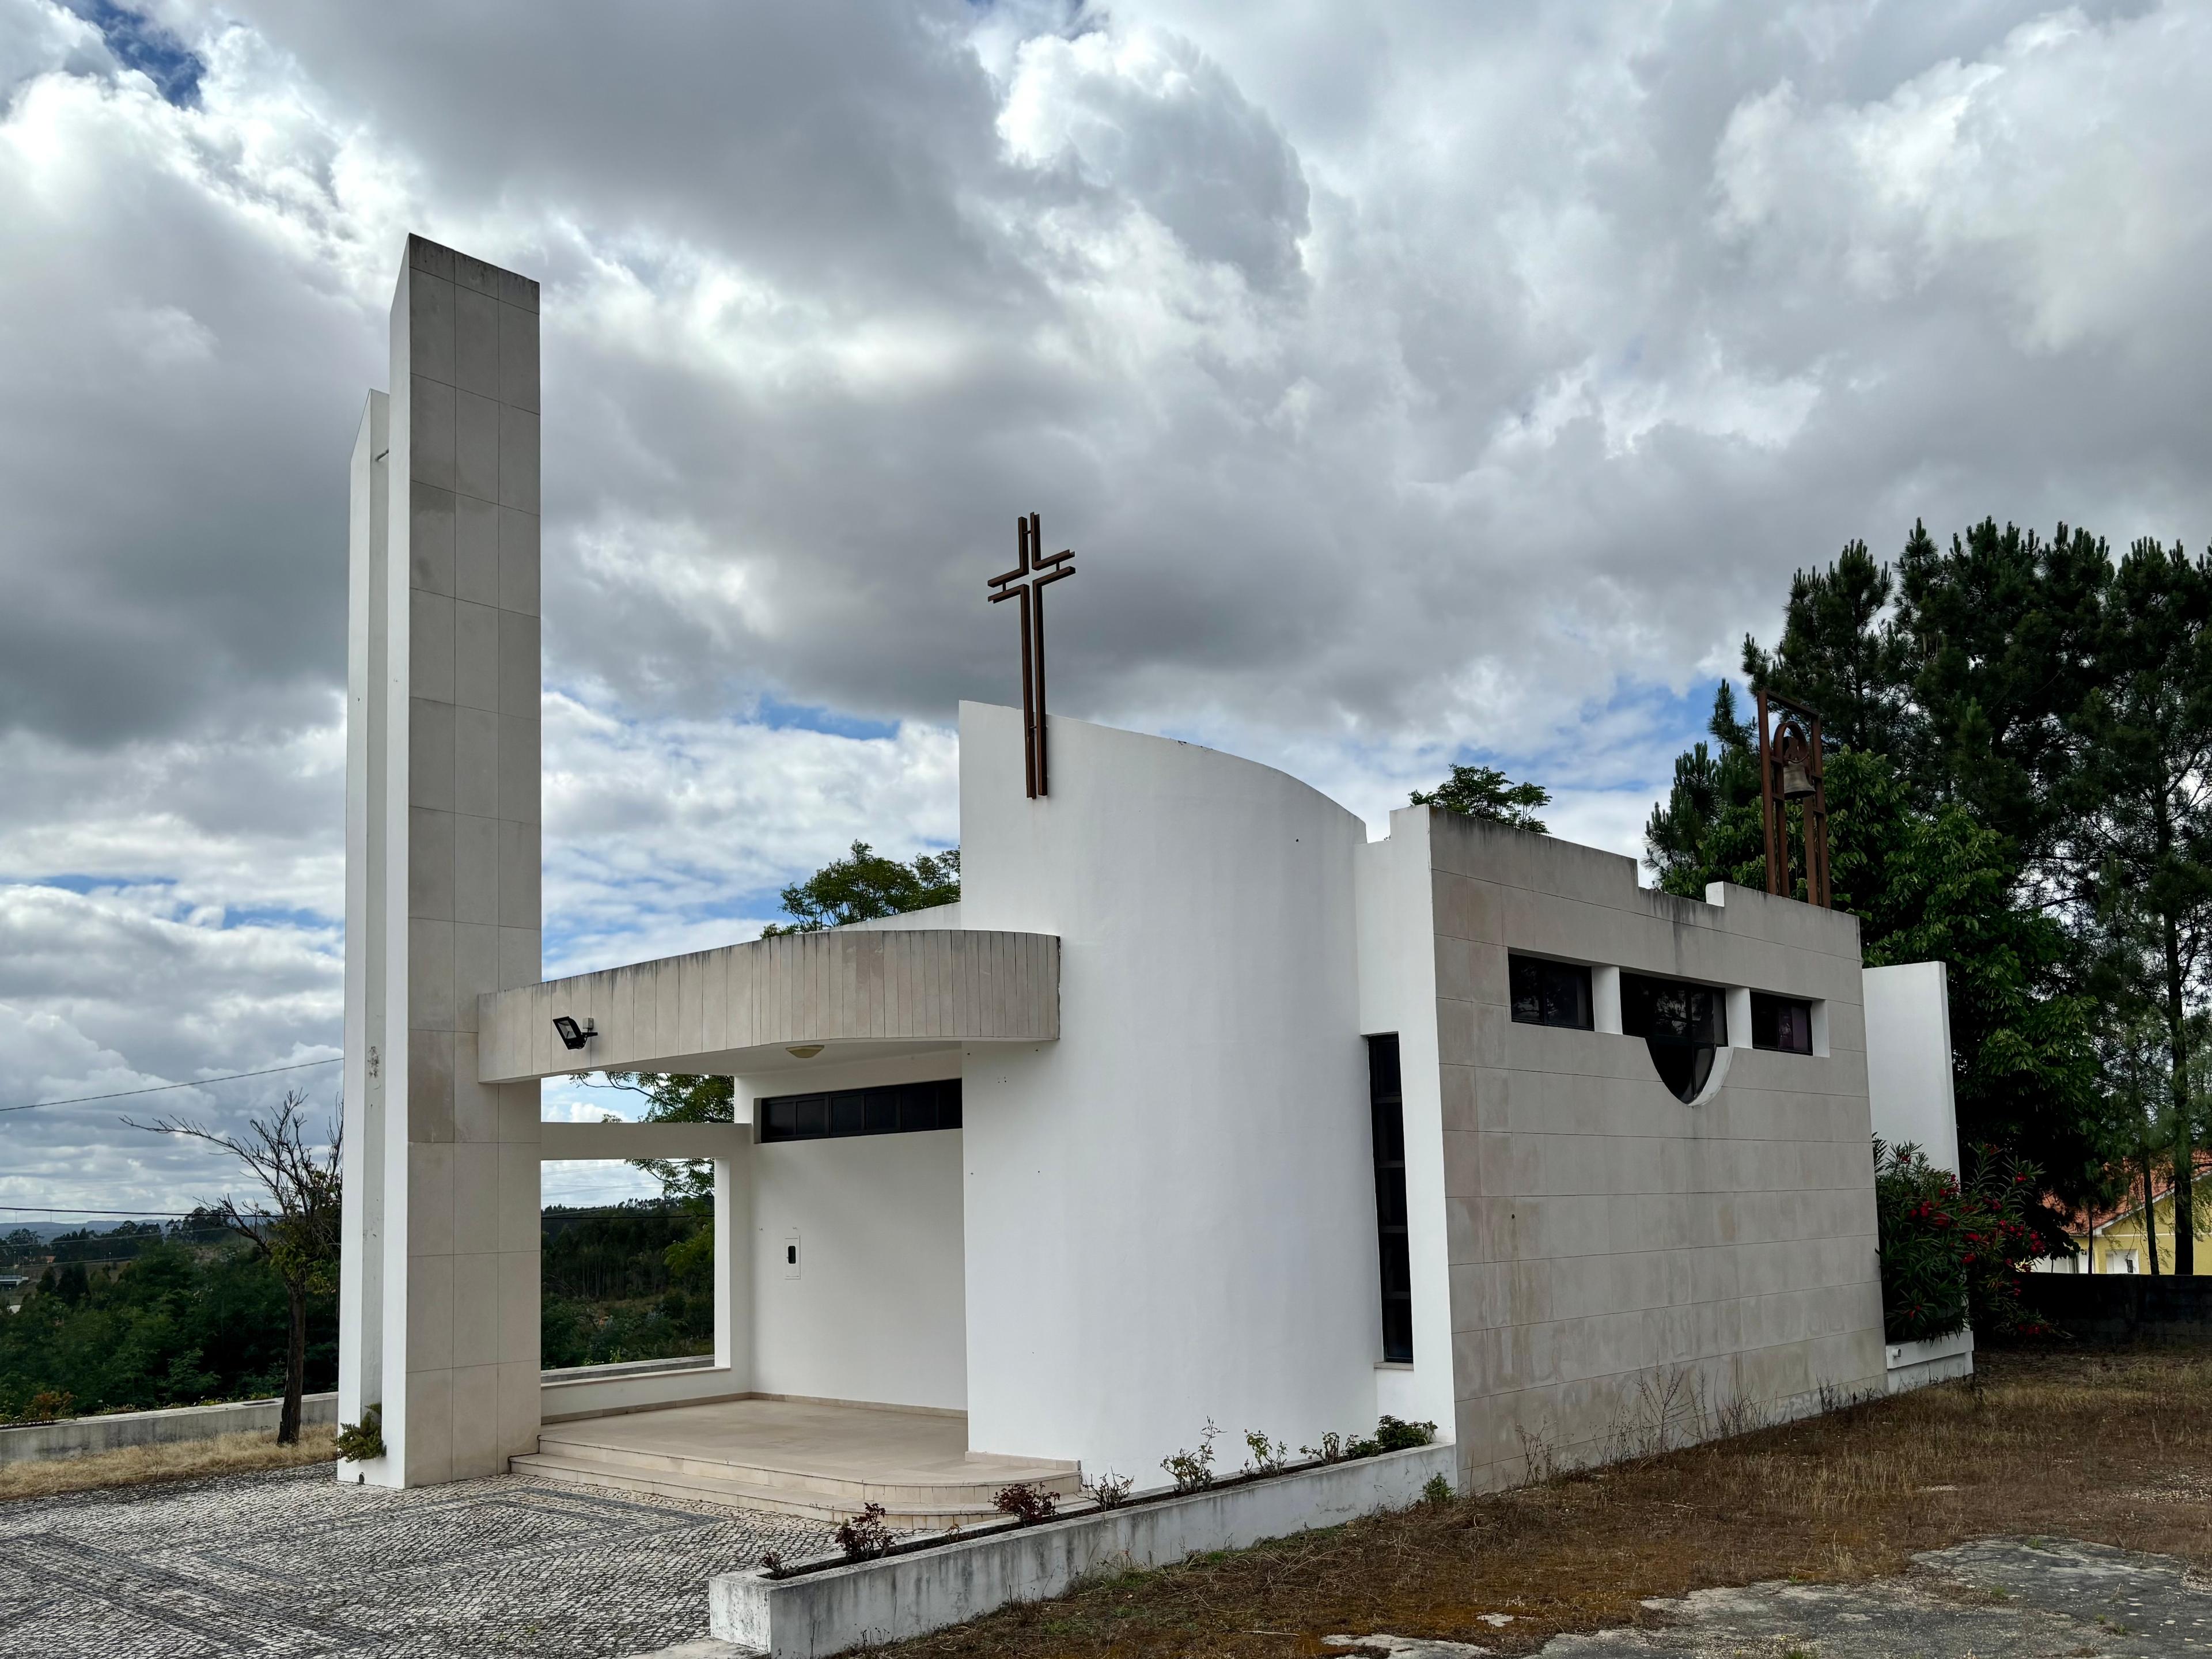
pixel 66 1211
pixel 162 1088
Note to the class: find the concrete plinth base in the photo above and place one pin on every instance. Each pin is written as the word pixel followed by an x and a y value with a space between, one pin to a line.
pixel 1939 1359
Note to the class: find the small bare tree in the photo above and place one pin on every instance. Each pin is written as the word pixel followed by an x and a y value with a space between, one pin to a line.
pixel 296 1230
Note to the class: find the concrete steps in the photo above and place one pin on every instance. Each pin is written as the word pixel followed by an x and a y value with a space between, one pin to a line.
pixel 583 1453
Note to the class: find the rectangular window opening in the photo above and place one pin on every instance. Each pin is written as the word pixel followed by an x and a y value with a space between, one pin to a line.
pixel 1551 992
pixel 1673 1010
pixel 1783 1024
pixel 902 1108
pixel 1386 1104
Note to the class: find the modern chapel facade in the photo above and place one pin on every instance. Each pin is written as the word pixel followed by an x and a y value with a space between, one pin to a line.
pixel 1199 1105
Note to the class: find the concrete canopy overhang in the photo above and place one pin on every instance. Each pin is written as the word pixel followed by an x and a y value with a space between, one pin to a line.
pixel 739 1010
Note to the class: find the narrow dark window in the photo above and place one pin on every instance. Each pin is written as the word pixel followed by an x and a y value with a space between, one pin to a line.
pixel 1386 1105
pixel 1783 1022
pixel 904 1108
pixel 1684 1026
pixel 1550 993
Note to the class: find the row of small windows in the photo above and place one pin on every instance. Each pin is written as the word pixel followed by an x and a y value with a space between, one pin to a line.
pixel 1558 993
pixel 902 1108
pixel 1683 1025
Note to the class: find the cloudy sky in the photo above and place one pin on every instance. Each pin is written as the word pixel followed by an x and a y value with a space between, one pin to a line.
pixel 1431 381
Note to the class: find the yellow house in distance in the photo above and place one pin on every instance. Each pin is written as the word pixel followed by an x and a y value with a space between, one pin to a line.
pixel 2117 1242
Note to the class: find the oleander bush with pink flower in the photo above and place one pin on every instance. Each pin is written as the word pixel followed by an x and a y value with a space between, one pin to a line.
pixel 1949 1250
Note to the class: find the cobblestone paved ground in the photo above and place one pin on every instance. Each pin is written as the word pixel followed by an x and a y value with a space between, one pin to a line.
pixel 291 1562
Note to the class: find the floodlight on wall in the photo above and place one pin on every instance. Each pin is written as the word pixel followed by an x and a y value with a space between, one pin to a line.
pixel 573 1035
pixel 804 1051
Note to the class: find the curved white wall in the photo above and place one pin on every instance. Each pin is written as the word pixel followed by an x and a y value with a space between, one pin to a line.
pixel 1169 1213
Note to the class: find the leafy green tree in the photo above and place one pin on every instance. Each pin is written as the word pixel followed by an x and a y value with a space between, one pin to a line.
pixel 294 1229
pixel 1701 828
pixel 677 1098
pixel 864 886
pixel 1485 793
pixel 182 1323
pixel 1913 851
pixel 1940 886
pixel 2133 1062
pixel 613 1289
pixel 2003 630
pixel 2140 830
pixel 1843 654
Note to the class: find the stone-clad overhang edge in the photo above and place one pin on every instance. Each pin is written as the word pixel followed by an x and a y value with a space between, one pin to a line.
pixel 717 1011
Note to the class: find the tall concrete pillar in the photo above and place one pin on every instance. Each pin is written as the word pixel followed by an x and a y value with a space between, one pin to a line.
pixel 439 1299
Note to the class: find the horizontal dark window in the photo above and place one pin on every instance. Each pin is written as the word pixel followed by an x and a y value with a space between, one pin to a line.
pixel 1782 1022
pixel 1672 1010
pixel 1550 993
pixel 901 1108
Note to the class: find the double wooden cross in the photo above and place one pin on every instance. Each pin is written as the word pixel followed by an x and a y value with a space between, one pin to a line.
pixel 1027 581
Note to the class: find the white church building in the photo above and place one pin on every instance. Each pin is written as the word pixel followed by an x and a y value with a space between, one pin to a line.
pixel 1200 1105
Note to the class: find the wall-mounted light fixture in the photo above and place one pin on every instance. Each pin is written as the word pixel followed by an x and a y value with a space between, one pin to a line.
pixel 573 1035
pixel 804 1051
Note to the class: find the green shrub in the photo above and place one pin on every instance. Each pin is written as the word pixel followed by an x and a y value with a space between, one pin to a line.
pixel 1391 1435
pixel 1949 1251
pixel 1924 1246
pixel 1193 1471
pixel 362 1442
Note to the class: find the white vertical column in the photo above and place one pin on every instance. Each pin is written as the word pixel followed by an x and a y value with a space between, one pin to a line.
pixel 733 1266
pixel 1604 999
pixel 461 868
pixel 1738 1005
pixel 360 1274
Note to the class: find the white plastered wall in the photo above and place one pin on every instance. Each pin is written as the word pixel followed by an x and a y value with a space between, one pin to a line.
pixel 1169 1210
pixel 875 1312
pixel 1908 1026
pixel 1398 993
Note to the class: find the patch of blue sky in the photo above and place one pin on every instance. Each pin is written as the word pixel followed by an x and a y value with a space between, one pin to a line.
pixel 568 937
pixel 780 716
pixel 139 42
pixel 232 916
pixel 278 916
pixel 1628 740
pixel 82 885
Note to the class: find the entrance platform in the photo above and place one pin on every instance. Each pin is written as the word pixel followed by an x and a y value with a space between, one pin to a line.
pixel 793 1457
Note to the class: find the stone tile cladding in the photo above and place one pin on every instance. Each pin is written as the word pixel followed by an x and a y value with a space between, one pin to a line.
pixel 464 420
pixel 1618 1258
pixel 294 1564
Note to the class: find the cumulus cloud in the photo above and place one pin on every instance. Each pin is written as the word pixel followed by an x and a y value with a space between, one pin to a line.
pixel 1418 383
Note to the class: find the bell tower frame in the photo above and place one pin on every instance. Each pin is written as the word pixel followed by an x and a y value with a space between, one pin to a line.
pixel 1793 767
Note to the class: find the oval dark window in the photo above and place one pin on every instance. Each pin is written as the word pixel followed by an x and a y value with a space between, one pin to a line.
pixel 1683 1025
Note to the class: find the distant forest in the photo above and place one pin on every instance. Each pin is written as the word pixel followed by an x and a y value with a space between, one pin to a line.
pixel 145 1314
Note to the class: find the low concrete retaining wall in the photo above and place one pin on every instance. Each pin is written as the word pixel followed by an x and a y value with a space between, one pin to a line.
pixel 2121 1307
pixel 73 1437
pixel 1939 1360
pixel 640 1386
pixel 819 1614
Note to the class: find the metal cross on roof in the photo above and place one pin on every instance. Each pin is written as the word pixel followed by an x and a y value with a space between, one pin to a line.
pixel 1027 581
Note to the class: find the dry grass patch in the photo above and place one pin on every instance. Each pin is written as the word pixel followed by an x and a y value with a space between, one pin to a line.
pixel 184 1460
pixel 2113 1448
